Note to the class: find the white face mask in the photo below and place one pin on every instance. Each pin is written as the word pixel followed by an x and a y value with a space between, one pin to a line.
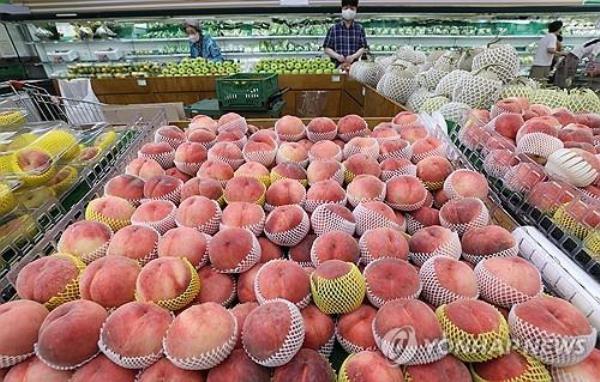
pixel 194 37
pixel 348 14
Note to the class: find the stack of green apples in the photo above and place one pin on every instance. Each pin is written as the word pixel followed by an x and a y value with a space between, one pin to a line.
pixel 296 66
pixel 199 67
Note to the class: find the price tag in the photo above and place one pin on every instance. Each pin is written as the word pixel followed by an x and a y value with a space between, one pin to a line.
pixel 141 82
pixel 293 3
pixel 335 78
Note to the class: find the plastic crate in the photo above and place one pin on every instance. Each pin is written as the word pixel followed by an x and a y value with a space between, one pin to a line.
pixel 246 91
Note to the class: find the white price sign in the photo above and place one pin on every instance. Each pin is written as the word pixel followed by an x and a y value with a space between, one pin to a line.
pixel 293 3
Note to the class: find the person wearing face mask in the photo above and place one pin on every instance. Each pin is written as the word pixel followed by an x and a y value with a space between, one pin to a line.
pixel 201 45
pixel 346 41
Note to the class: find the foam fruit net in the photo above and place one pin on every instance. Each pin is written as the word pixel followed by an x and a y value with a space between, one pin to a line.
pixel 354 201
pixel 536 372
pixel 266 158
pixel 11 360
pixel 323 221
pixel 349 346
pixel 451 248
pixel 166 160
pixel 476 259
pixel 114 224
pixel 475 347
pixel 539 144
pixel 480 220
pixel 433 292
pixel 411 355
pixel 497 292
pixel 293 236
pixel 71 290
pixel 340 295
pixel 367 219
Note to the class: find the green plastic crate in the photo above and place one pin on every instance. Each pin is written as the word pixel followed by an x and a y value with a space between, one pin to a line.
pixel 246 91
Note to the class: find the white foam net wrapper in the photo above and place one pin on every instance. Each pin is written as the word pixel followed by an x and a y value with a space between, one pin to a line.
pixel 476 91
pixel 450 248
pixel 413 225
pixel 11 360
pixel 549 347
pixel 539 144
pixel 324 220
pixel 391 174
pixel 208 360
pixel 190 168
pixel 315 137
pixel 476 259
pixel 327 348
pixel 367 219
pixel 293 236
pixel 403 153
pixel 292 343
pixel 237 124
pixel 166 160
pixel 503 60
pixel 349 346
pixel 354 200
pixel 211 226
pixel 496 291
pixel 57 367
pixel 266 158
pixel 233 162
pixel 359 133
pixel 481 220
pixel 412 354
pixel 174 143
pixel 173 196
pixel 162 226
pixel 301 304
pixel 256 228
pixel 494 168
pixel 371 151
pixel 438 151
pixel 433 292
pixel 249 260
pixel 138 362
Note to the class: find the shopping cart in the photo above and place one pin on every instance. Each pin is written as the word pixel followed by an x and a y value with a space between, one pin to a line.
pixel 40 106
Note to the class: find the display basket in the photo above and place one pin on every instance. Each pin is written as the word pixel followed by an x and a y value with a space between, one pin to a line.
pixel 519 203
pixel 246 91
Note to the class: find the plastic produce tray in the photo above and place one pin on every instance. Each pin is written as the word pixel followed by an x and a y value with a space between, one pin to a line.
pixel 526 214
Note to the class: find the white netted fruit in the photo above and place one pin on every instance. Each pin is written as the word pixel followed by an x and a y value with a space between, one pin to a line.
pixel 583 101
pixel 431 77
pixel 408 53
pixel 416 99
pixel 550 97
pixel 398 85
pixel 366 72
pixel 477 90
pixel 455 112
pixel 569 165
pixel 401 65
pixel 501 59
pixel 433 104
pixel 519 87
pixel 465 62
pixel 447 83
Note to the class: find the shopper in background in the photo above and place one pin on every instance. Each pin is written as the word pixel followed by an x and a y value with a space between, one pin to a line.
pixel 346 41
pixel 567 69
pixel 201 45
pixel 547 48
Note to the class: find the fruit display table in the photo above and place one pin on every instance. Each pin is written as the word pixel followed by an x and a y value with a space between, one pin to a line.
pixel 210 107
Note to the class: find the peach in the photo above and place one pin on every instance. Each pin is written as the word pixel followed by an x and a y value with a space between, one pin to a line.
pixel 190 152
pixel 405 118
pixel 240 312
pixel 510 105
pixel 165 371
pixel 233 135
pixel 253 170
pixel 320 330
pixel 155 213
pixel 207 187
pixel 575 132
pixel 163 187
pixel 260 143
pixel 77 322
pixel 273 333
pixel 34 370
pixel 537 126
pixel 463 214
pixel 306 366
pixel 134 330
pixel 289 170
pixel 394 148
pixel 233 250
pixel 432 241
pixel 421 218
pixel 365 188
pixel 216 287
pixel 86 240
pixel 135 242
pixel 269 250
pixel 102 369
pixel 307 144
pixel 466 183
pixel 245 285
pixel 287 225
pixel 384 132
pixel 563 115
pixel 290 128
pixel 321 128
pixel 176 173
pixel 282 279
pixel 383 242
pixel 238 367
pixel 440 198
pixel 425 147
pixel 114 211
pixel 499 161
pixel 285 192
pixel 125 186
pixel 353 330
pixel 300 253
pixel 512 366
pixel 170 133
pixel 184 242
pixel 392 167
pixel 335 245
pixel 365 145
pixel 446 369
pixel 592 120
pixel 497 142
pixel 370 215
pixel 554 319
pixel 351 126
pixel 165 278
pixel 433 171
pixel 109 281
pixel 489 241
pixel 326 169
pixel 389 279
pixel 508 124
pixel 46 277
pixel 205 137
pixel 473 135
pixel 228 119
pixel 33 160
pixel 445 279
pixel 293 152
pixel 200 213
pixel 587 370
pixel 216 169
pixel 405 193
pixel 20 321
pixel 244 189
pixel 392 320
pixel 413 133
pixel 505 281
pixel 370 366
pixel 325 191
pixel 244 215
pixel 155 148
pixel 524 177
pixel 324 150
pixel 197 332
pixel 360 163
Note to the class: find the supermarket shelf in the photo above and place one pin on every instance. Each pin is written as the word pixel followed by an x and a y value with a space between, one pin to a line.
pixel 149 56
pixel 263 54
